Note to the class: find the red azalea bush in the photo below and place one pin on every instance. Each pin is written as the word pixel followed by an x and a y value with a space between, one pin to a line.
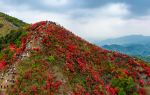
pixel 2 64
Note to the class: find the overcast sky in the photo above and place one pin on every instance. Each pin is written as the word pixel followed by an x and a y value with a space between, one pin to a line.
pixel 90 19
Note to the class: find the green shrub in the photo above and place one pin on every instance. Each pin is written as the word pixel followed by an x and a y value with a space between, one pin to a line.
pixel 13 37
pixel 125 84
pixel 135 93
pixel 51 58
pixel 8 52
pixel 36 64
pixel 1 55
pixel 13 20
pixel 121 92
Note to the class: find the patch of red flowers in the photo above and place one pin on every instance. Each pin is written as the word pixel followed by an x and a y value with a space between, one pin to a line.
pixel 111 90
pixel 2 64
pixel 12 47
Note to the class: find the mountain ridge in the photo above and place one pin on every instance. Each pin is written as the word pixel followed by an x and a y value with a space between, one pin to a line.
pixel 134 49
pixel 9 23
pixel 133 45
pixel 126 40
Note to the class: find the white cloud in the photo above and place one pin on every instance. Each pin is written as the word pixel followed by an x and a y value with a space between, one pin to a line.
pixel 55 3
pixel 102 22
pixel 110 21
pixel 136 26
pixel 92 24
pixel 117 9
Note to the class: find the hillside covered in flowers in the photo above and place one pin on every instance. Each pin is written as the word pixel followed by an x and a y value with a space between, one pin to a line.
pixel 47 59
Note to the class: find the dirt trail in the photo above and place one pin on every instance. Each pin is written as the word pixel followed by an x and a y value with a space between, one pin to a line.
pixel 8 76
pixel 7 79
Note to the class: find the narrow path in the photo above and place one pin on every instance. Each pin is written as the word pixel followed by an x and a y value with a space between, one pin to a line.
pixel 7 79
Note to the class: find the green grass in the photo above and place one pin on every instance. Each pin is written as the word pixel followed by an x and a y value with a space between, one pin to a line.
pixel 5 27
pixel 8 23
pixel 13 20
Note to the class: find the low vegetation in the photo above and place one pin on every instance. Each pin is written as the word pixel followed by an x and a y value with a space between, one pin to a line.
pixel 14 21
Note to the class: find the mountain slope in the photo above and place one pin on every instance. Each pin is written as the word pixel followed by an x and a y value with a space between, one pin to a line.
pixel 8 23
pixel 51 60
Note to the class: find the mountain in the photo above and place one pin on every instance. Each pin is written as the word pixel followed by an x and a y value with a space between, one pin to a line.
pixel 126 40
pixel 8 23
pixel 135 49
pixel 145 58
pixel 47 59
pixel 133 45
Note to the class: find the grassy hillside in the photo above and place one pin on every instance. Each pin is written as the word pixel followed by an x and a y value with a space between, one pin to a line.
pixel 16 22
pixel 5 26
pixel 50 60
pixel 8 23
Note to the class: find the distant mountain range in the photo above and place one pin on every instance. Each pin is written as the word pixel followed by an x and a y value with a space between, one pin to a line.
pixel 135 49
pixel 134 45
pixel 127 40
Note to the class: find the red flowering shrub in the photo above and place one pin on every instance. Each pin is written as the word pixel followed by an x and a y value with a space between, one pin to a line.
pixel 36 49
pixel 12 47
pixel 70 66
pixel 111 90
pixel 34 89
pixel 81 65
pixel 141 91
pixel 126 72
pixel 28 74
pixel 71 48
pixel 141 82
pixel 50 84
pixel 56 85
pixel 2 64
pixel 147 70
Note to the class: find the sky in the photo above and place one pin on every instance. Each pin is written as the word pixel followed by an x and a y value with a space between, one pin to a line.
pixel 93 20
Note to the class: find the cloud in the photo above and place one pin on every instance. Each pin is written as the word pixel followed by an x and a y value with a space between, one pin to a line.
pixel 55 3
pixel 116 9
pixel 100 23
pixel 138 25
pixel 107 21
